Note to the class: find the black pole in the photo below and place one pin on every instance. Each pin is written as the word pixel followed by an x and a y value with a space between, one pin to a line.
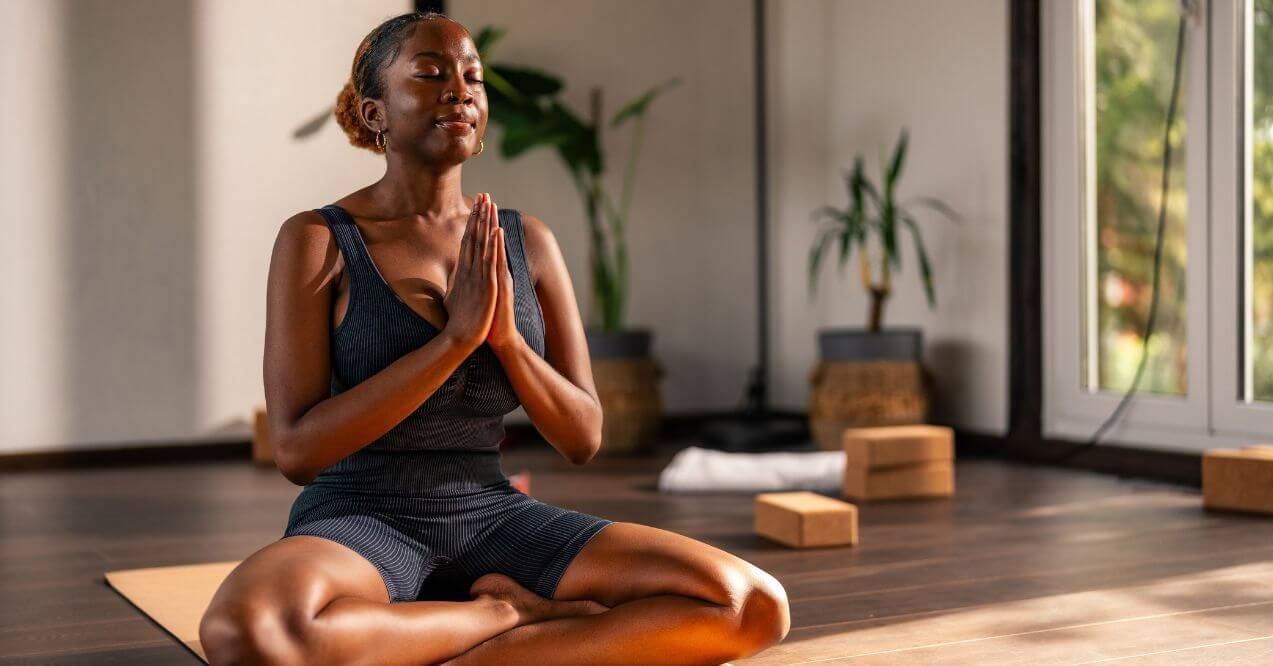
pixel 1025 409
pixel 758 427
pixel 758 388
pixel 430 6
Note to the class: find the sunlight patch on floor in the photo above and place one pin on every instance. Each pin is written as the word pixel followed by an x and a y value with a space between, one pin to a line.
pixel 1224 608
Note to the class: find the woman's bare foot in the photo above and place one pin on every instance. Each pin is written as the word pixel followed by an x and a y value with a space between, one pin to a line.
pixel 530 606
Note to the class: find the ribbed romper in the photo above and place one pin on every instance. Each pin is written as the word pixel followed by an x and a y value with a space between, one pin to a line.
pixel 428 503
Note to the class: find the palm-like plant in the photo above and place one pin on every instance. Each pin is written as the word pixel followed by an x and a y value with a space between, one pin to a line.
pixel 523 101
pixel 875 210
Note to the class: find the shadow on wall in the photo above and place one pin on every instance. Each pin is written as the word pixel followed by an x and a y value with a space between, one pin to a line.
pixel 951 364
pixel 131 242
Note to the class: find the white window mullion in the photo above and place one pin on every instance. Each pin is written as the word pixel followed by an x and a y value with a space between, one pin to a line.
pixel 1198 228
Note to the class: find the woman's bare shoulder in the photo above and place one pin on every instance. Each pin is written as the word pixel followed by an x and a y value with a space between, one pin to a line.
pixel 305 243
pixel 540 243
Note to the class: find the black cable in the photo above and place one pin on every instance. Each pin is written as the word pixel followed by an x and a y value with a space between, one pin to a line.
pixel 1158 249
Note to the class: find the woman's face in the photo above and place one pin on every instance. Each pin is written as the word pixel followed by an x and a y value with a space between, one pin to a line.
pixel 435 99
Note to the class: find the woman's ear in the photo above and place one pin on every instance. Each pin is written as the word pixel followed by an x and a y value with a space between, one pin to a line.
pixel 372 114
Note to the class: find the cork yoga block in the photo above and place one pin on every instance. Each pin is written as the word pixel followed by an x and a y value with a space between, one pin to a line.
pixel 1238 479
pixel 262 450
pixel 935 478
pixel 896 462
pixel 897 445
pixel 803 519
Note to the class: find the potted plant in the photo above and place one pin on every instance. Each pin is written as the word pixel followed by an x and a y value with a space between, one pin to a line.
pixel 871 376
pixel 524 103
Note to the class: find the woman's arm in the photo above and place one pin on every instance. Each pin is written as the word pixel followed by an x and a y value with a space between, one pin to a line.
pixel 557 391
pixel 310 430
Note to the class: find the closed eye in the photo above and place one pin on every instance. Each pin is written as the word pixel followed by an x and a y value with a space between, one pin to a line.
pixel 439 76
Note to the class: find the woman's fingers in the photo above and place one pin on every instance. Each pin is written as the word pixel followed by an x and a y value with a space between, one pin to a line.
pixel 479 234
pixel 486 231
pixel 501 254
pixel 494 241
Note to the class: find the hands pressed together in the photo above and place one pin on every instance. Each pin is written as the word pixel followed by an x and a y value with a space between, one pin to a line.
pixel 479 294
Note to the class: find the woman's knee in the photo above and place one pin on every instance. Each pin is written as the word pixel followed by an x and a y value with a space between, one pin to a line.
pixel 250 631
pixel 765 615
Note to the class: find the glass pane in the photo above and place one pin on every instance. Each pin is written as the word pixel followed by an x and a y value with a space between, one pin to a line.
pixel 1260 353
pixel 1134 59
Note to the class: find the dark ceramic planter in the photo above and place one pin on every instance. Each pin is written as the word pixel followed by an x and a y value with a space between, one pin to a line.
pixel 624 343
pixel 856 344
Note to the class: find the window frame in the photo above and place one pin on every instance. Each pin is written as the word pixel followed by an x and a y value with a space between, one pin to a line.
pixel 1231 171
pixel 1201 418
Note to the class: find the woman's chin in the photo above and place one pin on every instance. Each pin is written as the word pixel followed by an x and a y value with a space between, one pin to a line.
pixel 452 152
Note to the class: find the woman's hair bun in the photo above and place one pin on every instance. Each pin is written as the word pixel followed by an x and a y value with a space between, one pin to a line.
pixel 346 112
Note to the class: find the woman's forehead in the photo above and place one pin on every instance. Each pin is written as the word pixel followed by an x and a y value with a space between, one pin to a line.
pixel 440 39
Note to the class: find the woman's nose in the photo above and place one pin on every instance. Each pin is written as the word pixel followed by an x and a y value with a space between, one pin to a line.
pixel 456 92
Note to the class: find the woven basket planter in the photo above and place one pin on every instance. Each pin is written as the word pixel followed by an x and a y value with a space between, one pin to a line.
pixel 852 394
pixel 627 380
pixel 630 402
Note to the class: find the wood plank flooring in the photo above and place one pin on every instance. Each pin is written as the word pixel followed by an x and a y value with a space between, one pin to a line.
pixel 1026 564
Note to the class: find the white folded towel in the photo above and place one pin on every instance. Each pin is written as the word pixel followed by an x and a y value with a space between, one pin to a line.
pixel 698 469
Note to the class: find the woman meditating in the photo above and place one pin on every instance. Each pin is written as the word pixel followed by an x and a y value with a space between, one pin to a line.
pixel 403 322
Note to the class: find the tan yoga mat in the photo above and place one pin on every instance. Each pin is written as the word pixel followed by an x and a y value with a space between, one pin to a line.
pixel 175 597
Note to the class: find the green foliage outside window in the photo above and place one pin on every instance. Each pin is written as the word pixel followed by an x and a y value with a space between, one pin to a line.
pixel 1135 43
pixel 1262 202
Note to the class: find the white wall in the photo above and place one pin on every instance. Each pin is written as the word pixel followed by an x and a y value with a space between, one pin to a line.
pixel 147 165
pixel 846 76
pixel 32 68
pixel 150 162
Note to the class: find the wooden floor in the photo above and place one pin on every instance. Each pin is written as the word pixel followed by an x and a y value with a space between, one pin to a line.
pixel 1025 565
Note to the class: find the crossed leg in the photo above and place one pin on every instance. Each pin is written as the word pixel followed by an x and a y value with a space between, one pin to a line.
pixel 672 599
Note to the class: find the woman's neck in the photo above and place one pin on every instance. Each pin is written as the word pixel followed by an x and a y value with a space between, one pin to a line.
pixel 431 192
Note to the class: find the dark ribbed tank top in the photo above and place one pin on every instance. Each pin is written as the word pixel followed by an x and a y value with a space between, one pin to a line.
pixel 466 413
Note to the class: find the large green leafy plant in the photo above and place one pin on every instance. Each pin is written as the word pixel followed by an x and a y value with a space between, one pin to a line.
pixel 524 103
pixel 875 214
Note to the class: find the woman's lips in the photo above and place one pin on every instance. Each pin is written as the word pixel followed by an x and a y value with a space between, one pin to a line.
pixel 455 126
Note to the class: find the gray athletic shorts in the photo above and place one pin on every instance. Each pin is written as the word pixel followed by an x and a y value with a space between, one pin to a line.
pixel 433 522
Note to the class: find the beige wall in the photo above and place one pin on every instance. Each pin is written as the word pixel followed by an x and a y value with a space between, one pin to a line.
pixel 691 233
pixel 150 162
pixel 32 68
pixel 846 76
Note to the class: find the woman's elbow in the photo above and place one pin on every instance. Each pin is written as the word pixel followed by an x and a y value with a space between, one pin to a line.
pixel 585 452
pixel 289 463
pixel 592 440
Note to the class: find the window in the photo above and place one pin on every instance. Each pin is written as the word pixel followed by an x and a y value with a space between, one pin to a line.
pixel 1108 70
pixel 1132 79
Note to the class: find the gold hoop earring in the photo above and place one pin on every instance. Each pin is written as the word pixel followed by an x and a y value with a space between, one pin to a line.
pixel 381 142
pixel 481 145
